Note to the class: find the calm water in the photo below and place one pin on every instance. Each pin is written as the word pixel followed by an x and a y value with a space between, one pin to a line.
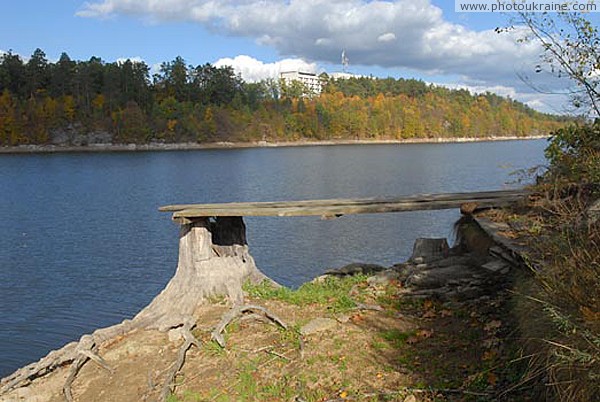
pixel 82 244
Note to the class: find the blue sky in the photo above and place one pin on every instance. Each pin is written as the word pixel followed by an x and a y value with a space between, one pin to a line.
pixel 422 39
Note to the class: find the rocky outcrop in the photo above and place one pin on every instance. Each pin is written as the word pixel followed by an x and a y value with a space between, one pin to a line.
pixel 450 274
pixel 76 135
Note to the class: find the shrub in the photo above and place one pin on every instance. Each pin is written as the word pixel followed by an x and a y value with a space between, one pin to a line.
pixel 574 154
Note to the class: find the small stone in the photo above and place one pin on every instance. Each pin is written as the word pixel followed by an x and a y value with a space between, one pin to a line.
pixel 343 319
pixel 356 268
pixel 495 266
pixel 383 278
pixel 320 279
pixel 318 325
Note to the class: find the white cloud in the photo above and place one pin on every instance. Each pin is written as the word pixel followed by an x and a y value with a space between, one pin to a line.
pixel 253 70
pixel 405 34
pixel 546 103
pixel 387 37
pixel 135 59
pixel 396 33
pixel 480 89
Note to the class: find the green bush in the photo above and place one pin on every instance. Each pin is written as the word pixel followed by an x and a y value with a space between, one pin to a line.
pixel 574 154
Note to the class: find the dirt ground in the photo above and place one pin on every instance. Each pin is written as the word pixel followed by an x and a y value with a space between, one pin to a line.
pixel 397 349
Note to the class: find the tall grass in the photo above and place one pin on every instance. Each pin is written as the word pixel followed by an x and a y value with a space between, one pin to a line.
pixel 559 306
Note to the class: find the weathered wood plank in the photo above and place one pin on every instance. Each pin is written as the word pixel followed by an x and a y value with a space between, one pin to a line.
pixel 473 196
pixel 346 206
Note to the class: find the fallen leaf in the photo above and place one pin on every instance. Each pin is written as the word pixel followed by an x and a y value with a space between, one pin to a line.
pixel 489 355
pixel 491 342
pixel 425 333
pixel 589 314
pixel 446 313
pixel 356 318
pixel 412 340
pixel 492 379
pixel 427 304
pixel 343 394
pixel 410 398
pixel 492 326
pixel 429 314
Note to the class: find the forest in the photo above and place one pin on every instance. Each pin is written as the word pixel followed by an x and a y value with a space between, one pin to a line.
pixel 45 102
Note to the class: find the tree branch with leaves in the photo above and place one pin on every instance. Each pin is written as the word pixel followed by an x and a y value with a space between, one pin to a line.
pixel 571 49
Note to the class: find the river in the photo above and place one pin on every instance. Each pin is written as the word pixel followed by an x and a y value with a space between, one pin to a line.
pixel 82 244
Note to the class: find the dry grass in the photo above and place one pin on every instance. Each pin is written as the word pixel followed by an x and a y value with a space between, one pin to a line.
pixel 558 307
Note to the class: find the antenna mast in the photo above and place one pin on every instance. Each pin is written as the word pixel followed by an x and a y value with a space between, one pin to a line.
pixel 345 61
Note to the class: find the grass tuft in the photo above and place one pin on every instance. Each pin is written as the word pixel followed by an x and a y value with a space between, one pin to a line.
pixel 331 291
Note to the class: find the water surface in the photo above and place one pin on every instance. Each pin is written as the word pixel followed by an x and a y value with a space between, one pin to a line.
pixel 82 244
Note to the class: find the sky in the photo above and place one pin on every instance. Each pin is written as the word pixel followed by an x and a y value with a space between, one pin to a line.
pixel 422 39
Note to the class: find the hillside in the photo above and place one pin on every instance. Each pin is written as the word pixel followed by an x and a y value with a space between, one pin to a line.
pixel 120 103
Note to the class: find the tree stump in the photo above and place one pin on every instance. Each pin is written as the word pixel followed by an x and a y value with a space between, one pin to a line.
pixel 214 260
pixel 430 249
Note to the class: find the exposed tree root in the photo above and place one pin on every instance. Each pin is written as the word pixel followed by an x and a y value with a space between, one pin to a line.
pixel 213 260
pixel 73 352
pixel 189 340
pixel 238 311
pixel 75 367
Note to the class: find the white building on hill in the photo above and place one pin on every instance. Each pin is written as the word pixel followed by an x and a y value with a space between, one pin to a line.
pixel 311 81
pixel 343 76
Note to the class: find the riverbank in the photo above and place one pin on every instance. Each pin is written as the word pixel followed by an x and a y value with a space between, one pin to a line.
pixel 363 332
pixel 153 147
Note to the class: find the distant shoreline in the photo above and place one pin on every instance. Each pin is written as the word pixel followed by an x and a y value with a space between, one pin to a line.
pixel 93 148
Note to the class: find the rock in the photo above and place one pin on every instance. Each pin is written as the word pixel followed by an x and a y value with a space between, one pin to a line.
pixel 404 270
pixel 438 277
pixel 383 278
pixel 496 266
pixel 430 249
pixel 318 325
pixel 499 252
pixel 455 260
pixel 320 279
pixel 355 269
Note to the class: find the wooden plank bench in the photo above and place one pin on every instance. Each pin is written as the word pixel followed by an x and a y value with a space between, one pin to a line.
pixel 214 258
pixel 185 213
